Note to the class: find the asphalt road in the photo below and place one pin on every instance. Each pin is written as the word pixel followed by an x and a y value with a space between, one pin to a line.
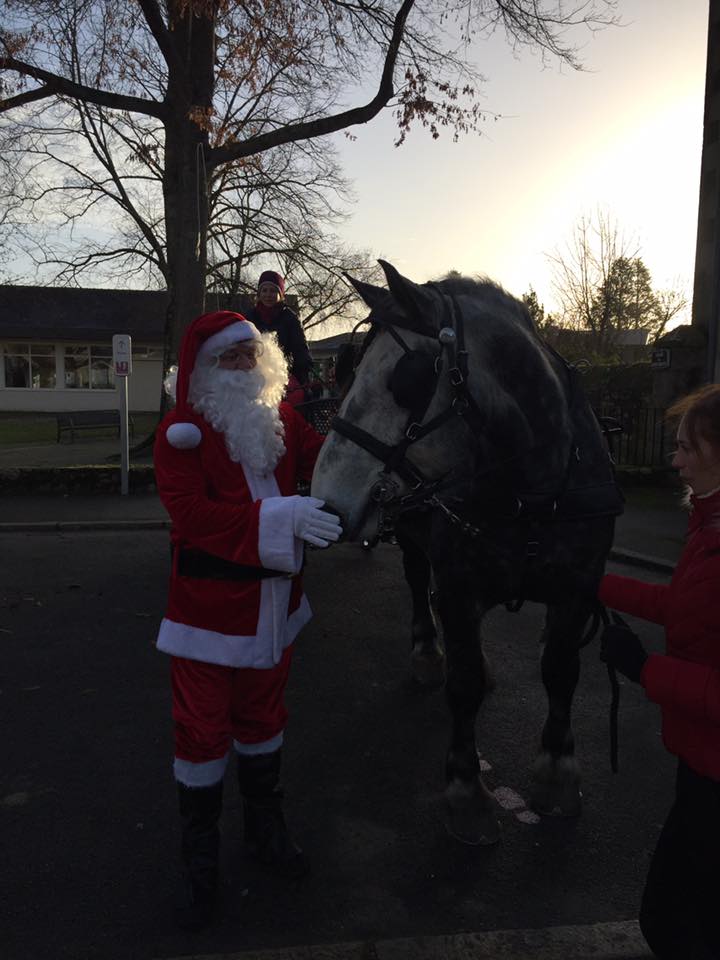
pixel 89 832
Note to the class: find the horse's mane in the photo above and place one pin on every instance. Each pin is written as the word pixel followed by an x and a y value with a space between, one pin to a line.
pixel 492 295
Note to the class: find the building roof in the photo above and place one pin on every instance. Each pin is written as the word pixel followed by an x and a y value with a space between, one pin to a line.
pixel 85 314
pixel 329 346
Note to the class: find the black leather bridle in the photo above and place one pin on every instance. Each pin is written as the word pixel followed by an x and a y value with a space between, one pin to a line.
pixel 451 358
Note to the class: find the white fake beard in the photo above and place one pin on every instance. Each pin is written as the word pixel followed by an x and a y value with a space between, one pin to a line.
pixel 243 405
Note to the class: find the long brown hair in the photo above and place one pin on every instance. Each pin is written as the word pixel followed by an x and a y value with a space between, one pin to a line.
pixel 701 412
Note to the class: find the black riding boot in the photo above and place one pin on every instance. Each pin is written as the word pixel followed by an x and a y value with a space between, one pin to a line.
pixel 266 833
pixel 200 809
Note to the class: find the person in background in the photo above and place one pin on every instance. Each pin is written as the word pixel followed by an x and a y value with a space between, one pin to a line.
pixel 228 458
pixel 295 394
pixel 679 909
pixel 272 315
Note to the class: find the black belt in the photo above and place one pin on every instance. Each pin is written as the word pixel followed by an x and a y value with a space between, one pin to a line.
pixel 206 566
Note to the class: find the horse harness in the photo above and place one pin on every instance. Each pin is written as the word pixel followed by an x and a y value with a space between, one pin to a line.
pixel 413 383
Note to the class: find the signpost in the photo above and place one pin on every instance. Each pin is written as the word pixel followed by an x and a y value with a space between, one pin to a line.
pixel 122 365
pixel 660 358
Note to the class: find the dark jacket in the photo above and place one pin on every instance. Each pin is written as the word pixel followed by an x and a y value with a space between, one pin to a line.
pixel 286 324
pixel 685 681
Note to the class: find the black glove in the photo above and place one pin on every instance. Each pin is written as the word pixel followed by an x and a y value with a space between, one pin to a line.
pixel 620 647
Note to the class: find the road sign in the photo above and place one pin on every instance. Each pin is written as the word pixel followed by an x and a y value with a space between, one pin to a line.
pixel 122 364
pixel 122 354
pixel 660 359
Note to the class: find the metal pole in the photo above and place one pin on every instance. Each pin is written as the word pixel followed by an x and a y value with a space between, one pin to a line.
pixel 124 437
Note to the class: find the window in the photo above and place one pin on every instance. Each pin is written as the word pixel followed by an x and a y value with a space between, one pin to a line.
pixel 147 353
pixel 89 367
pixel 30 366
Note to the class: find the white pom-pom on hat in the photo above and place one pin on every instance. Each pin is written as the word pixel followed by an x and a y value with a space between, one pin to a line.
pixel 183 436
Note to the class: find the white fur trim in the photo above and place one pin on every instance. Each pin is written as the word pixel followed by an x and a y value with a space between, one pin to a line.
pixel 205 774
pixel 183 436
pixel 233 333
pixel 253 749
pixel 260 651
pixel 278 547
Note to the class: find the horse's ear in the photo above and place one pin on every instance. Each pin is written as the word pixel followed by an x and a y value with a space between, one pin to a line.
pixel 411 296
pixel 371 294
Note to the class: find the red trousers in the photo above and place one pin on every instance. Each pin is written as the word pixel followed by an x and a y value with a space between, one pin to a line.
pixel 214 705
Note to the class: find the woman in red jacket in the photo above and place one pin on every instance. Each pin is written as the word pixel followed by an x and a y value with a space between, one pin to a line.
pixel 681 900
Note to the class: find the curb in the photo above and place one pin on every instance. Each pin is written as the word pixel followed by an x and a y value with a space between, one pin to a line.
pixel 634 559
pixel 51 526
pixel 601 941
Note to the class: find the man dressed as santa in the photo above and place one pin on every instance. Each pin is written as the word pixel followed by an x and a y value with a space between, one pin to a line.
pixel 227 462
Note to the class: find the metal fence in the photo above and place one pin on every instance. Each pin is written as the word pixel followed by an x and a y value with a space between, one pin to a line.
pixel 319 413
pixel 643 440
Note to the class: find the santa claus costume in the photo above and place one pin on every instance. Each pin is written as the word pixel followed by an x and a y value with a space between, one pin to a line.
pixel 227 462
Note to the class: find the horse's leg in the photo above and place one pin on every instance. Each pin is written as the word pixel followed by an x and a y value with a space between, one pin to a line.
pixel 427 657
pixel 556 779
pixel 472 811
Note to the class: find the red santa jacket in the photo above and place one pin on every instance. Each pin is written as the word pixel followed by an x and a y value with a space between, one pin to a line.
pixel 221 509
pixel 685 681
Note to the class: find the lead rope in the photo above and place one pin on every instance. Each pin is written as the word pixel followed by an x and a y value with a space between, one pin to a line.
pixel 615 694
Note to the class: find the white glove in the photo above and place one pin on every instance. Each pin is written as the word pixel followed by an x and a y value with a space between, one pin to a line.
pixel 314 525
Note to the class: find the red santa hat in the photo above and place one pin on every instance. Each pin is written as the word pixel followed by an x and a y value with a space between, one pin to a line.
pixel 207 336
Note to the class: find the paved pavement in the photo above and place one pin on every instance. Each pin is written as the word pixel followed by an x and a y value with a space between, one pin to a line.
pixel 649 534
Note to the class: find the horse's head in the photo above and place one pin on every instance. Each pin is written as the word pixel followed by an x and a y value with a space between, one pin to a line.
pixel 393 388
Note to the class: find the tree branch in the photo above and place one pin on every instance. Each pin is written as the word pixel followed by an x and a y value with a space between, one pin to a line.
pixel 60 86
pixel 161 34
pixel 324 125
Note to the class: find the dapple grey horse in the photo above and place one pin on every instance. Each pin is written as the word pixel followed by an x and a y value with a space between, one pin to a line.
pixel 474 439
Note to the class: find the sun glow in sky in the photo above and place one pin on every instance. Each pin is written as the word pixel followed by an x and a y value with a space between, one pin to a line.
pixel 624 136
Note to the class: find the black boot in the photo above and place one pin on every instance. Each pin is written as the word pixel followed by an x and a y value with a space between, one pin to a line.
pixel 200 809
pixel 266 833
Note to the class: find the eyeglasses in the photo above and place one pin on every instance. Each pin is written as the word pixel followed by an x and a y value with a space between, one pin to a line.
pixel 245 351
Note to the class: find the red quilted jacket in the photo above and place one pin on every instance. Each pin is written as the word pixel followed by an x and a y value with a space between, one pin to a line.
pixel 685 681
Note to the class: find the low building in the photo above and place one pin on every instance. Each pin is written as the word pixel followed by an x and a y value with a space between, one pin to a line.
pixel 324 353
pixel 56 347
pixel 628 346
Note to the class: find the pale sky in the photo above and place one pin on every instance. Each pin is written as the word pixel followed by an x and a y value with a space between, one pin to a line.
pixel 624 136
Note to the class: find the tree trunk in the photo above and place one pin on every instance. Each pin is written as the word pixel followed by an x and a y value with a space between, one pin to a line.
pixel 189 100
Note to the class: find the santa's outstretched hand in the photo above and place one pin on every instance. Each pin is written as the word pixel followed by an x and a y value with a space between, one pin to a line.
pixel 314 525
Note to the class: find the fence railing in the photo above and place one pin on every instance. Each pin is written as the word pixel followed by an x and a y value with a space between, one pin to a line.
pixel 643 440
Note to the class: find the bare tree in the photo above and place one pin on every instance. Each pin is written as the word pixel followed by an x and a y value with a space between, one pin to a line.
pixel 191 86
pixel 668 304
pixel 605 288
pixel 581 275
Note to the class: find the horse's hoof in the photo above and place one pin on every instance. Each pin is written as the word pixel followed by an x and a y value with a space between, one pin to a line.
pixel 556 788
pixel 471 814
pixel 429 670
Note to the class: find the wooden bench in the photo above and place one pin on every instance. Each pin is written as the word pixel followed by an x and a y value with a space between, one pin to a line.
pixel 89 420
